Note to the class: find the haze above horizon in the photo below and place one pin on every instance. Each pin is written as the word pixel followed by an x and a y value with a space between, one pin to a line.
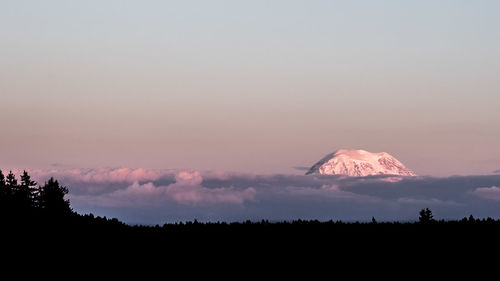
pixel 251 86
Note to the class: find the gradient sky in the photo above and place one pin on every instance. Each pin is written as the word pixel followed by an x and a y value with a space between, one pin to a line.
pixel 253 86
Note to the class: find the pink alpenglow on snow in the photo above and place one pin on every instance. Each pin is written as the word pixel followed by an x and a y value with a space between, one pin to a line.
pixel 359 163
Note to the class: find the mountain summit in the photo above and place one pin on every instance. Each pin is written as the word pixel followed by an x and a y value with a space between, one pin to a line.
pixel 359 163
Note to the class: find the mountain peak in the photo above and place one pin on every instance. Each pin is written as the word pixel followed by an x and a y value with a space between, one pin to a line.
pixel 359 163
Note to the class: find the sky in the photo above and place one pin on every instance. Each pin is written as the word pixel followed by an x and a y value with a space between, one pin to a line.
pixel 256 87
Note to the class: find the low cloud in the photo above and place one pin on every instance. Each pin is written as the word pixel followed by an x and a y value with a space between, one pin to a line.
pixel 158 196
pixel 186 189
pixel 491 193
pixel 302 168
pixel 430 202
pixel 201 195
pixel 101 175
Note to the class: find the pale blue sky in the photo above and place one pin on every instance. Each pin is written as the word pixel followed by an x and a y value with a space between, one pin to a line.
pixel 254 86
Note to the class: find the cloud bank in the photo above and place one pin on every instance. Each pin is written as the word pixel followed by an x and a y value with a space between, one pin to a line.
pixel 159 196
pixel 491 193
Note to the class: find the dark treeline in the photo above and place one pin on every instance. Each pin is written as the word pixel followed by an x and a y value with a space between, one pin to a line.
pixel 26 205
pixel 24 200
pixel 30 210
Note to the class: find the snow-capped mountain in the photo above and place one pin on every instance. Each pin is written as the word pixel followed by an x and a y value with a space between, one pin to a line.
pixel 359 163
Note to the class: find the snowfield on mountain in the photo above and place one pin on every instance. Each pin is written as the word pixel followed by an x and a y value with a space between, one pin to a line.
pixel 359 163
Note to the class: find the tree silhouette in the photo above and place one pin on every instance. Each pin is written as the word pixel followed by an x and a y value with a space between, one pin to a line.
pixel 25 193
pixel 425 216
pixel 471 218
pixel 3 188
pixel 11 180
pixel 4 194
pixel 2 179
pixel 51 198
pixel 10 187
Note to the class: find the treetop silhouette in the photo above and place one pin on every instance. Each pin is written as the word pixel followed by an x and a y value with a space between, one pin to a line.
pixel 26 199
pixel 425 216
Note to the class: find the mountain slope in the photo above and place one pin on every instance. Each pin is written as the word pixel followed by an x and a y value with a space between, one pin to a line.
pixel 359 163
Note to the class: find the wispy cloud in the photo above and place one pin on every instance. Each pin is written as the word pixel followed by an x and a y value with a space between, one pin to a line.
pixel 302 168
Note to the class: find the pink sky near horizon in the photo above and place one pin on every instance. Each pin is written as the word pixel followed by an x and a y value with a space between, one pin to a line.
pixel 256 87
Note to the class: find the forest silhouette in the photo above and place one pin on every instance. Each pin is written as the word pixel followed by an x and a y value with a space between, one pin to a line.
pixel 30 210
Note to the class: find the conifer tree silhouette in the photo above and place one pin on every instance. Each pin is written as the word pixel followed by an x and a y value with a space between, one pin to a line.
pixel 51 198
pixel 10 190
pixel 4 194
pixel 2 179
pixel 26 192
pixel 425 216
pixel 11 180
